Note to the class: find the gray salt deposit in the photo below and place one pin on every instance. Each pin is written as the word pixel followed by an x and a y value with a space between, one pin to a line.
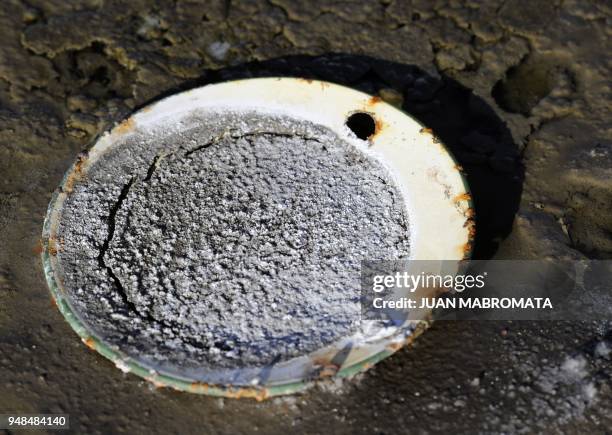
pixel 195 246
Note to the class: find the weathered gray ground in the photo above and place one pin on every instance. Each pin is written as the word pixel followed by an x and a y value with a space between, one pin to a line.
pixel 520 91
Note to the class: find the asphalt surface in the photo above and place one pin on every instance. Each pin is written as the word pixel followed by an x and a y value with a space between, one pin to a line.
pixel 520 92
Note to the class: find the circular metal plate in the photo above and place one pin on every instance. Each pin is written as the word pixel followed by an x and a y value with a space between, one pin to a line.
pixel 436 195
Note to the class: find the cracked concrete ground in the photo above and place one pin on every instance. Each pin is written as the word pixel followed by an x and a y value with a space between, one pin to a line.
pixel 519 90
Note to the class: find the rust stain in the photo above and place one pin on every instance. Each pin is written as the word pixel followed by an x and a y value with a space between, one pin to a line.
pixel 53 302
pixel 328 371
pixel 199 387
pixel 258 394
pixel 467 248
pixel 76 173
pixel 156 383
pixel 408 341
pixel 462 197
pixel 421 327
pixel 323 360
pixel 326 368
pixel 429 131
pixel 52 246
pixel 90 343
pixel 249 393
pixel 373 100
pixel 379 125
pixel 470 224
pixel 304 79
pixel 459 168
pixel 394 347
pixel 125 127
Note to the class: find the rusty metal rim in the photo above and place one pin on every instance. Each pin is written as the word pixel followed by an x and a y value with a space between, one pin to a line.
pixel 129 364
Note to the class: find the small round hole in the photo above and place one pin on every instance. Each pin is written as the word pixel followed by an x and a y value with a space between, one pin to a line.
pixel 362 124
